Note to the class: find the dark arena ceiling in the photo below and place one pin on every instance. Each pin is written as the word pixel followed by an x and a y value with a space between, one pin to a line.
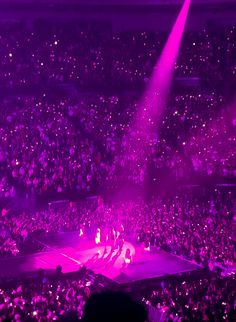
pixel 117 2
pixel 126 10
pixel 11 3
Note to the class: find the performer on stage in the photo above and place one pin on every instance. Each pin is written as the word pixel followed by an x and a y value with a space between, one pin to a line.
pixel 98 237
pixel 147 246
pixel 120 242
pixel 128 257
pixel 106 238
pixel 113 239
pixel 81 232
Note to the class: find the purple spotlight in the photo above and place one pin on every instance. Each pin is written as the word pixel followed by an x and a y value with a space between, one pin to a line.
pixel 154 99
pixel 138 141
pixel 156 94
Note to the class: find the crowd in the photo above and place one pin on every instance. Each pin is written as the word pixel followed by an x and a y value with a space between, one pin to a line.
pixel 206 299
pixel 89 53
pixel 56 144
pixel 205 54
pixel 43 151
pixel 60 145
pixel 173 226
pixel 62 297
pixel 207 148
pixel 48 53
pixel 6 189
pixel 55 298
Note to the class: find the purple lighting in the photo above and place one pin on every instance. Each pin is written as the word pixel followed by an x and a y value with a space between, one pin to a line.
pixel 154 99
pixel 155 96
pixel 117 161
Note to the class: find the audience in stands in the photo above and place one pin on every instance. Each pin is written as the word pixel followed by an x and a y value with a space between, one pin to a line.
pixel 48 298
pixel 55 145
pixel 206 299
pixel 63 297
pixel 87 53
pixel 59 146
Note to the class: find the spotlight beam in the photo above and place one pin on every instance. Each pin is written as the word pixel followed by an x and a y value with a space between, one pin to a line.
pixel 136 145
pixel 154 100
pixel 156 94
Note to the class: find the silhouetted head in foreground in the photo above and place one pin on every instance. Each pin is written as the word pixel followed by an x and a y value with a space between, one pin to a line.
pixel 113 307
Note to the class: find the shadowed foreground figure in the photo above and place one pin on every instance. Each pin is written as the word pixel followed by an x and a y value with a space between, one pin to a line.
pixel 113 307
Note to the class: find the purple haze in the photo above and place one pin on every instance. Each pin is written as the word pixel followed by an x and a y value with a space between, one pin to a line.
pixel 154 100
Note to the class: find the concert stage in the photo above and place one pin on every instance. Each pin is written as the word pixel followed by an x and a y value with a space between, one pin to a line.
pixel 70 251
